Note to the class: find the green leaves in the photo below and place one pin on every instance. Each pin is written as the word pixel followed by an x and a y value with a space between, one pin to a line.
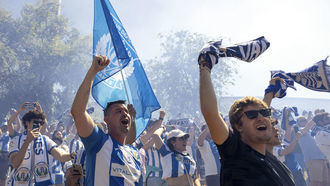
pixel 174 75
pixel 37 51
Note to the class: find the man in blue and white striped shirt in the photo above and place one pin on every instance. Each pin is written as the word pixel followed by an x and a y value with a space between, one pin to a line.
pixel 109 160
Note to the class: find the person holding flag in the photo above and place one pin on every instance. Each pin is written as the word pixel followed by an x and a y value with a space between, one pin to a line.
pixel 109 160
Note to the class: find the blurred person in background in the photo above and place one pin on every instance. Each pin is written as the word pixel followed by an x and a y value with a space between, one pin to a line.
pixel 210 156
pixel 14 130
pixel 4 151
pixel 179 168
pixel 152 155
pixel 57 168
pixel 316 162
pixel 321 131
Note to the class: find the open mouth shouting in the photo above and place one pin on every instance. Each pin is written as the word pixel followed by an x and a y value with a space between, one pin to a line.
pixel 124 121
pixel 262 127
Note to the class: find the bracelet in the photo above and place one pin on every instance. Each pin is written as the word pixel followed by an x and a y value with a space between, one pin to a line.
pixel 161 119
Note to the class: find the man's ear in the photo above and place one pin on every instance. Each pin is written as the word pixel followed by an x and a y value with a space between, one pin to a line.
pixel 238 127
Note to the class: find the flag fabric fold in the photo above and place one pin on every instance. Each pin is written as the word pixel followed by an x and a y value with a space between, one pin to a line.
pixel 279 89
pixel 110 39
pixel 316 77
pixel 247 51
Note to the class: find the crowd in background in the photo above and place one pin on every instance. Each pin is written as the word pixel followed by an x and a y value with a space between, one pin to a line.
pixel 166 147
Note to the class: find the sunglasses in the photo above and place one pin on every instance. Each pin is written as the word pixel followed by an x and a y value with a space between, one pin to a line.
pixel 252 114
pixel 38 122
pixel 183 138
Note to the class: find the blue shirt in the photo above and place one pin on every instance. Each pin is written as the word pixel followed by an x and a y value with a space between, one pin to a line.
pixel 4 142
pixel 110 163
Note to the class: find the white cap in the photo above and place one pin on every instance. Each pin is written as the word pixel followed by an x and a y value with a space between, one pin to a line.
pixel 176 133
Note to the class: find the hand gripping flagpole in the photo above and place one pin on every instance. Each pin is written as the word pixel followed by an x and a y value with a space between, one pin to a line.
pixel 122 76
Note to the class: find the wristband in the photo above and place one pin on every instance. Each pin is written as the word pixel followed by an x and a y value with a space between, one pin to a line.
pixel 161 119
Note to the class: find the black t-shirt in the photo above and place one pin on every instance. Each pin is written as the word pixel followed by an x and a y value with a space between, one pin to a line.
pixel 243 166
pixel 282 170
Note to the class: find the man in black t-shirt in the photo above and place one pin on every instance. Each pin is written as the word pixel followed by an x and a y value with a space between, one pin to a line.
pixel 244 160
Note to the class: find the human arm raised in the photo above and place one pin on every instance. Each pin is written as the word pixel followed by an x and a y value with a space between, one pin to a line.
pixel 157 139
pixel 292 145
pixel 16 158
pixel 132 131
pixel 61 155
pixel 268 97
pixel 84 123
pixel 145 138
pixel 203 136
pixel 191 136
pixel 14 116
pixel 209 107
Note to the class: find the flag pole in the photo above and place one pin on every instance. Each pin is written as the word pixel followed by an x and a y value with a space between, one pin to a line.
pixel 122 76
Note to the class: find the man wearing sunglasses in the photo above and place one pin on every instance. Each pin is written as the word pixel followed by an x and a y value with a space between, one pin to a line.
pixel 243 148
pixel 29 152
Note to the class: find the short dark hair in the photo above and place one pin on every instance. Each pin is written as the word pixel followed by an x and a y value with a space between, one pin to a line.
pixel 109 104
pixel 33 114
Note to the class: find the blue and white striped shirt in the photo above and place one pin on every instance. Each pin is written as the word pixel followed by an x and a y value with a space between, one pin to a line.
pixel 176 164
pixel 153 158
pixel 110 163
pixel 75 145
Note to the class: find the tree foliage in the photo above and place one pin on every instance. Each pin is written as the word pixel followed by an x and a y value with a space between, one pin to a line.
pixel 174 75
pixel 41 59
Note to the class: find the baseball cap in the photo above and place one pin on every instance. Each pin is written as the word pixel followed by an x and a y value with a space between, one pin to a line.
pixel 176 133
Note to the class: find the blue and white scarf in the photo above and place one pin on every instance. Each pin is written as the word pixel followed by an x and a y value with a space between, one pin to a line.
pixel 316 77
pixel 247 51
pixel 279 89
pixel 291 119
pixel 35 164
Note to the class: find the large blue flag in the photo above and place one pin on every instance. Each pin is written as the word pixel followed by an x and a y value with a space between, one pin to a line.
pixel 110 39
pixel 316 77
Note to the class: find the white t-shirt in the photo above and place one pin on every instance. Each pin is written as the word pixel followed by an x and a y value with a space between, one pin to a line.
pixel 211 158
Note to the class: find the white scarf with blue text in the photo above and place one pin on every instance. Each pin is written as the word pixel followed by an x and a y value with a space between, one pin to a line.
pixel 35 165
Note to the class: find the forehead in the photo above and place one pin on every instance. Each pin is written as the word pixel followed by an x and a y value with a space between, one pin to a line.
pixel 118 106
pixel 253 107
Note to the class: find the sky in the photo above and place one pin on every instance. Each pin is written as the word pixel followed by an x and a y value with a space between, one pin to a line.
pixel 298 31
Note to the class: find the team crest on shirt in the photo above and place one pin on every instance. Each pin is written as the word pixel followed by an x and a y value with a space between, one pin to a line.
pixel 22 175
pixel 41 170
pixel 136 156
pixel 11 144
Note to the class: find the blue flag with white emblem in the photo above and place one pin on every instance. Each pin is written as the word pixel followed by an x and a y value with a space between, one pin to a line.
pixel 316 77
pixel 110 39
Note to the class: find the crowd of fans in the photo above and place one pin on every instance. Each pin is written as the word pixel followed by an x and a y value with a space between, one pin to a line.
pixel 173 154
pixel 258 144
